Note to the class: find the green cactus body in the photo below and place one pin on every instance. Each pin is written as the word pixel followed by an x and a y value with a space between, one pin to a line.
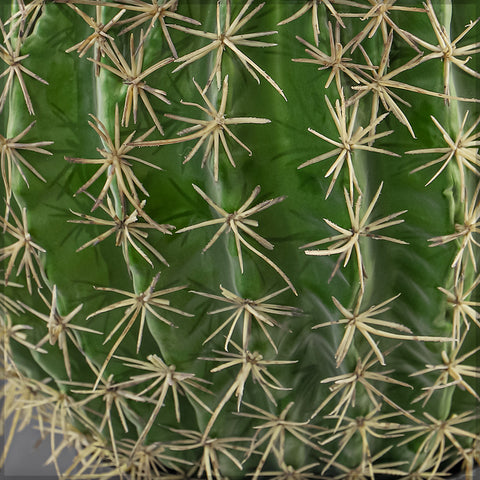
pixel 219 282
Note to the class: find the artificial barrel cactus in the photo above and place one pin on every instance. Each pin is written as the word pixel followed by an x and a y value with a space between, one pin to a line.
pixel 239 239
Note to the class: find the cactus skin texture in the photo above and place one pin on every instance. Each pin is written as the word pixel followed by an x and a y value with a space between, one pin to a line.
pixel 218 262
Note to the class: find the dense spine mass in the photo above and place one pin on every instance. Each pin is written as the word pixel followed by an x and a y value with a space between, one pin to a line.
pixel 240 238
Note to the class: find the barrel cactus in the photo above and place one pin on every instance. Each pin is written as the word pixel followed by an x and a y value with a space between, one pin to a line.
pixel 239 239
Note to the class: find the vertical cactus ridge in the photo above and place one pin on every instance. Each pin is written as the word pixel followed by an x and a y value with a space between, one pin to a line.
pixel 240 238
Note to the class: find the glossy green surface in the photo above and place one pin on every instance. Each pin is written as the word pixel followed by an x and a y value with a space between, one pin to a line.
pixel 414 271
